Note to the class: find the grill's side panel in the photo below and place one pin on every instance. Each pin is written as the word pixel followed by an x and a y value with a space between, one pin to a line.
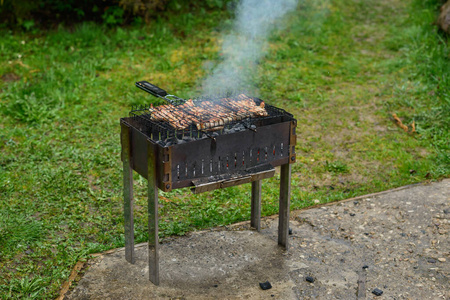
pixel 139 149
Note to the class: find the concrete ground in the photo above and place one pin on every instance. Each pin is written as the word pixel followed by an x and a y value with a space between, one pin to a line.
pixel 396 241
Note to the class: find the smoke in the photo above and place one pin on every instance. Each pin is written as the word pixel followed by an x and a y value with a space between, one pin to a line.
pixel 246 45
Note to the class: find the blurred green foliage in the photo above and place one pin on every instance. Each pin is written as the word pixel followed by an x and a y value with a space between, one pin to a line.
pixel 29 15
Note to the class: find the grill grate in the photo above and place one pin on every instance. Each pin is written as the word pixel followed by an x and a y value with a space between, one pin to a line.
pixel 165 134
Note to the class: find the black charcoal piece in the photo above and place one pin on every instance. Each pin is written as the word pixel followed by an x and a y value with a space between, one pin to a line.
pixel 355 202
pixel 172 140
pixel 352 215
pixel 309 279
pixel 265 285
pixel 290 231
pixel 377 292
pixel 365 267
pixel 238 127
pixel 366 233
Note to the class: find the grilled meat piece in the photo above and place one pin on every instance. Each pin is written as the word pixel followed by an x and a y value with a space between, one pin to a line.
pixel 208 115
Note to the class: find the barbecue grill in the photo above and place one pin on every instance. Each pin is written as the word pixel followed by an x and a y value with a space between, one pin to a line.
pixel 205 144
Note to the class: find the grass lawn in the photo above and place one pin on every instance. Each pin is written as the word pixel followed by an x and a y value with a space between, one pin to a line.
pixel 341 67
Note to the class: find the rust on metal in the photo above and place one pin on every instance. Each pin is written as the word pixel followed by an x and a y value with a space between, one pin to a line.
pixel 167 169
pixel 292 141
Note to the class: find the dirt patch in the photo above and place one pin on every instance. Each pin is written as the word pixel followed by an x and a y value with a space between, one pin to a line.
pixel 10 77
pixel 444 18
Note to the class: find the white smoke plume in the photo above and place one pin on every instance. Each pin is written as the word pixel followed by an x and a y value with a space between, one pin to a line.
pixel 246 45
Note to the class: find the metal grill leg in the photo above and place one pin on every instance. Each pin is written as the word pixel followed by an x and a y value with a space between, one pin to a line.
pixel 153 242
pixel 127 194
pixel 256 205
pixel 285 199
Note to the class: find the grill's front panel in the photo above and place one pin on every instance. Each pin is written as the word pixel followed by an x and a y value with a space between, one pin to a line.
pixel 230 154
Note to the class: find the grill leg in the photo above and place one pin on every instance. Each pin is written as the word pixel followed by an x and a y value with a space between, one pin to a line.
pixel 256 205
pixel 127 194
pixel 153 242
pixel 285 199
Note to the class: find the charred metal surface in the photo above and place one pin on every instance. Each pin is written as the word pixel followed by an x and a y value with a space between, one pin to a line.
pixel 138 150
pixel 166 174
pixel 230 153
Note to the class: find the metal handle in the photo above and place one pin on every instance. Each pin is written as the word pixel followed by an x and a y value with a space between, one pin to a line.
pixel 151 88
pixel 159 92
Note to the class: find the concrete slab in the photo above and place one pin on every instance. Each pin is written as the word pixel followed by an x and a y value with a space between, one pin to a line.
pixel 401 238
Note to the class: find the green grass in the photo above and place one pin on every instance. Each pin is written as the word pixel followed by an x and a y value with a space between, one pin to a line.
pixel 342 68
